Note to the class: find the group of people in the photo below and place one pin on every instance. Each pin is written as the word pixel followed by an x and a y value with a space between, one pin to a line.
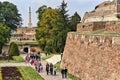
pixel 33 56
pixel 50 69
pixel 34 59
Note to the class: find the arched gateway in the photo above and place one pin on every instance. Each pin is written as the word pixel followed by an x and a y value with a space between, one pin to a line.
pixel 24 48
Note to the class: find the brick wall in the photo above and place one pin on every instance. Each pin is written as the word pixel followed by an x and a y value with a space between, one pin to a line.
pixel 92 26
pixel 92 57
pixel 111 26
pixel 100 12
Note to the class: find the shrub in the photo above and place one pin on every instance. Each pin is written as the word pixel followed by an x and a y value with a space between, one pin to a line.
pixel 13 49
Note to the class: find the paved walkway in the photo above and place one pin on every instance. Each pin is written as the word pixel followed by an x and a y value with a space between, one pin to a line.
pixel 54 60
pixel 14 64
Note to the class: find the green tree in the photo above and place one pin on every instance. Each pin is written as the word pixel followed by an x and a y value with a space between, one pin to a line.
pixel 49 27
pixel 59 41
pixel 9 15
pixel 4 35
pixel 13 49
pixel 75 19
pixel 40 11
pixel 65 29
pixel 53 26
pixel 63 10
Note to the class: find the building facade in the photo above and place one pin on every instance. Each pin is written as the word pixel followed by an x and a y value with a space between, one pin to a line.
pixel 24 33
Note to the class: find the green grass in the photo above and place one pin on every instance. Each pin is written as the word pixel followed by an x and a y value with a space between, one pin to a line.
pixel 23 42
pixel 18 59
pixel 58 66
pixel 7 61
pixel 93 32
pixel 69 75
pixel 29 73
pixel 100 32
pixel 0 74
pixel 112 33
pixel 15 59
pixel 48 56
pixel 72 77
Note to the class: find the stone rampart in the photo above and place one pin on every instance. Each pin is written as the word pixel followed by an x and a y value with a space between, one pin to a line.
pixel 110 26
pixel 92 26
pixel 92 57
pixel 97 14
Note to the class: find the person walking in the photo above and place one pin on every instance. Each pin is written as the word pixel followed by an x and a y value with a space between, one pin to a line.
pixel 47 68
pixel 65 72
pixel 55 70
pixel 27 58
pixel 39 56
pixel 46 53
pixel 36 64
pixel 41 68
pixel 51 68
pixel 38 68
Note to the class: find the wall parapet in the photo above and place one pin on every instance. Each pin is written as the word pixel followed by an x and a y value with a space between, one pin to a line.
pixel 92 38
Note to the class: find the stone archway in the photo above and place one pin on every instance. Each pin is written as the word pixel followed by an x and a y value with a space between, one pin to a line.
pixel 26 49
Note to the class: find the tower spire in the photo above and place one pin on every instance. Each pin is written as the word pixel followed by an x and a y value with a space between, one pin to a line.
pixel 30 23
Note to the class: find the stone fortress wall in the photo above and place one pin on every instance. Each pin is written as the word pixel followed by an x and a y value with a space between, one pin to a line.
pixel 111 26
pixel 107 13
pixel 100 18
pixel 91 26
pixel 94 57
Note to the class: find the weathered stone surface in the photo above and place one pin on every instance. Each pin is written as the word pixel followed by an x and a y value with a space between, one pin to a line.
pixel 92 57
pixel 112 26
pixel 105 16
pixel 92 26
pixel 95 57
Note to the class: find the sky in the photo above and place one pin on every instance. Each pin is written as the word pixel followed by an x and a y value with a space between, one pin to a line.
pixel 79 6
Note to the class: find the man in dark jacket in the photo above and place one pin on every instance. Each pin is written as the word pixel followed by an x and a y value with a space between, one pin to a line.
pixel 65 72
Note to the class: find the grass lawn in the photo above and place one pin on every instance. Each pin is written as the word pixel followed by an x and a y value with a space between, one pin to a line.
pixel 15 59
pixel 24 42
pixel 58 66
pixel 48 56
pixel 69 75
pixel 18 59
pixel 0 74
pixel 27 73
